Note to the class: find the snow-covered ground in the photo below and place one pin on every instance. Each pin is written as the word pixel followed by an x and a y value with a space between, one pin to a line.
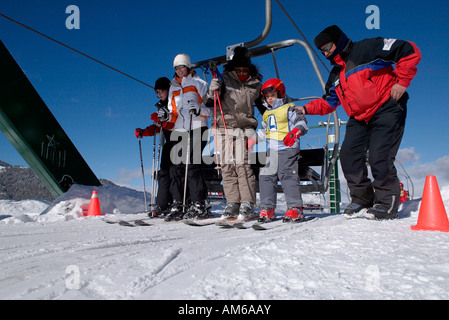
pixel 49 252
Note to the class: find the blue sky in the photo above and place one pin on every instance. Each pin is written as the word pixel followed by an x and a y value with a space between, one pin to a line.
pixel 99 109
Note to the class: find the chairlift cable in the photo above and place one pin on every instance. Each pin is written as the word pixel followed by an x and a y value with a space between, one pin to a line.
pixel 77 51
pixel 305 39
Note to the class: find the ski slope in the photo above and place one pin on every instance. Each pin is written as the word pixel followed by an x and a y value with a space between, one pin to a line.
pixel 49 252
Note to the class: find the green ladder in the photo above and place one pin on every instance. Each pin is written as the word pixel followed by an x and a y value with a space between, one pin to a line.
pixel 334 189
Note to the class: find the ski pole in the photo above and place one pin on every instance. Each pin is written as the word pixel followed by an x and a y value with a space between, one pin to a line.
pixel 143 177
pixel 217 98
pixel 187 163
pixel 231 156
pixel 161 137
pixel 213 67
pixel 152 172
pixel 217 160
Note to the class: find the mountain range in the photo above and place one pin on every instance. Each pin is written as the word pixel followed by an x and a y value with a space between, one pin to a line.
pixel 21 183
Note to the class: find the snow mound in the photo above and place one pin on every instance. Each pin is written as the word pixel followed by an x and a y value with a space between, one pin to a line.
pixel 113 200
pixel 21 211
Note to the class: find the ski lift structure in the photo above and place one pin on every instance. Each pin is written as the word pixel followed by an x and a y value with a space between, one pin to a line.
pixel 324 158
pixel 58 172
pixel 319 181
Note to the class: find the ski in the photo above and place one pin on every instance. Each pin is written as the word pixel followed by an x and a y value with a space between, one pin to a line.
pixel 134 223
pixel 225 222
pixel 129 223
pixel 235 223
pixel 201 222
pixel 172 220
pixel 261 226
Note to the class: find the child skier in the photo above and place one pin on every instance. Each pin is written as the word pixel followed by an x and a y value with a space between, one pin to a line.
pixel 282 126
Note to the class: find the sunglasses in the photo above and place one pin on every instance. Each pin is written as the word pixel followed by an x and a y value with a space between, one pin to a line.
pixel 327 48
pixel 180 67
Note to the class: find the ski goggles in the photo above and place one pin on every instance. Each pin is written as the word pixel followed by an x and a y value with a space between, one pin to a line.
pixel 270 89
pixel 327 48
pixel 179 67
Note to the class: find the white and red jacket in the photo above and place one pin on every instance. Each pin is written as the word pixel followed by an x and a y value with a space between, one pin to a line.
pixel 181 96
pixel 363 75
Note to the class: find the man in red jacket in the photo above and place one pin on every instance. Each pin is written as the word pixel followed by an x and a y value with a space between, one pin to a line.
pixel 374 96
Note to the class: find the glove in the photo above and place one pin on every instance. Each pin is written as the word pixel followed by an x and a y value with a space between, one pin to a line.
pixel 152 130
pixel 147 132
pixel 251 142
pixel 193 108
pixel 154 117
pixel 291 137
pixel 139 133
pixel 215 85
pixel 163 114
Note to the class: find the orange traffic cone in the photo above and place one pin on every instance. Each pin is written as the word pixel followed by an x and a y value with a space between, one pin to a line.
pixel 432 214
pixel 94 206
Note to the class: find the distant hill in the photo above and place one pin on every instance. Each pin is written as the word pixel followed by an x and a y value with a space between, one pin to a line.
pixel 20 183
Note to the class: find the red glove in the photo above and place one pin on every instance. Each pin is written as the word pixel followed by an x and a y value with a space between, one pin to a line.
pixel 251 142
pixel 152 130
pixel 291 137
pixel 154 117
pixel 168 125
pixel 139 133
pixel 147 132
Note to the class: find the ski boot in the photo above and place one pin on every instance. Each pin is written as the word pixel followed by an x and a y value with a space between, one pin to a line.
pixel 246 211
pixel 266 215
pixel 293 214
pixel 231 211
pixel 154 211
pixel 197 210
pixel 353 208
pixel 381 212
pixel 176 212
pixel 157 212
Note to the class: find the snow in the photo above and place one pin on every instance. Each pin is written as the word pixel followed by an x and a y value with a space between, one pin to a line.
pixel 49 251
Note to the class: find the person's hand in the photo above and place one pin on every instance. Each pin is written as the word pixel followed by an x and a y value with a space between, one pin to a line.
pixel 397 91
pixel 152 130
pixel 139 133
pixel 291 137
pixel 301 109
pixel 250 144
pixel 154 117
pixel 215 85
pixel 148 131
pixel 193 108
pixel 163 114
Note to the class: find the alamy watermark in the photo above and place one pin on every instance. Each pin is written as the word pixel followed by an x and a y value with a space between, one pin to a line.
pixel 73 21
pixel 372 281
pixel 73 280
pixel 230 146
pixel 373 20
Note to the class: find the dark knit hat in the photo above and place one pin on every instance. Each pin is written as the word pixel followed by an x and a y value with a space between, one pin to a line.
pixel 241 57
pixel 162 83
pixel 335 35
pixel 330 34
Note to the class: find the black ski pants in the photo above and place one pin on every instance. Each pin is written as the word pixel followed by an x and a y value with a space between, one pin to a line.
pixel 377 142
pixel 164 197
pixel 196 187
